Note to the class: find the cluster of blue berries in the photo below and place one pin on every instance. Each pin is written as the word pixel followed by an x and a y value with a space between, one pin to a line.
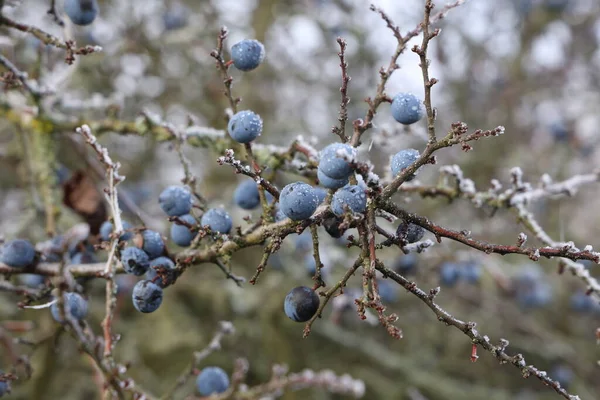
pixel 451 273
pixel 81 12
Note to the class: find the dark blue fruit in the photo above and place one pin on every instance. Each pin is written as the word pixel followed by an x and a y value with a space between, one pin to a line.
pixel 212 380
pixel 449 274
pixel 410 232
pixel 175 201
pixel 247 54
pixel 81 12
pixel 301 304
pixel 246 195
pixel 107 228
pixel 17 253
pixel 167 268
pixel 181 234
pixel 147 296
pixel 135 261
pixel 218 220
pixel 75 305
pixel 152 243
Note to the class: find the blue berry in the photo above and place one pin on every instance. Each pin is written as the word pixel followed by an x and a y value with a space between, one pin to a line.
pixel 4 386
pixel 330 183
pixel 556 5
pixel 17 253
pixel 559 131
pixel 218 220
pixel 332 225
pixel 107 228
pixel 84 257
pixel 580 302
pixel 402 160
pixel 471 272
pixel 388 291
pixel 406 264
pixel 81 12
pixel 74 304
pixel 135 261
pixel 449 274
pixel 563 374
pixel 245 126
pixel 410 232
pixel 212 380
pixel 168 271
pixel 247 54
pixel 298 201
pixel 352 197
pixel 539 295
pixel 246 195
pixel 321 194
pixel 332 160
pixel 181 234
pixel 152 243
pixel 176 17
pixel 407 108
pixel 146 296
pixel 31 280
pixel 301 303
pixel 175 201
pixel 303 241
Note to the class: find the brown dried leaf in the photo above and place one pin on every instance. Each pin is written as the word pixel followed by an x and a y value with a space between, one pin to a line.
pixel 82 196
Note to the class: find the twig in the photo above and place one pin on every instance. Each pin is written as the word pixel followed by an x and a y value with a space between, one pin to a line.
pixel 225 328
pixel 341 130
pixel 469 329
pixel 428 83
pixel 112 174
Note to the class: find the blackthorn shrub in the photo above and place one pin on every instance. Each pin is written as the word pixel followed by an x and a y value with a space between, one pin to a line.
pixel 147 121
